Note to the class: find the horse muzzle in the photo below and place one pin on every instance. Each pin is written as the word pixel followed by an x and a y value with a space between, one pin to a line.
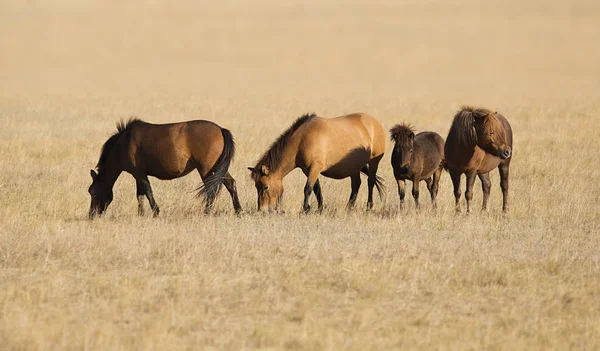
pixel 403 169
pixel 504 154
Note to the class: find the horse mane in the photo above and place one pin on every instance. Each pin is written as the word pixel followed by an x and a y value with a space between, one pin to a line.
pixel 463 125
pixel 401 132
pixel 122 128
pixel 273 156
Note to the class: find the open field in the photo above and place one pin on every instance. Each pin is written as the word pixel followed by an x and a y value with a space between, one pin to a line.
pixel 380 280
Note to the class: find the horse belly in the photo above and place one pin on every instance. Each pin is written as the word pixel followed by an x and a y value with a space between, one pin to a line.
pixel 488 164
pixel 349 164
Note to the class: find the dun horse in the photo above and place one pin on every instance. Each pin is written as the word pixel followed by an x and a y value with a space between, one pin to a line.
pixel 417 158
pixel 336 148
pixel 164 151
pixel 479 140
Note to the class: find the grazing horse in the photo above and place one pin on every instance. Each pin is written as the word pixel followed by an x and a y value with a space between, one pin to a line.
pixel 164 151
pixel 479 140
pixel 416 158
pixel 334 147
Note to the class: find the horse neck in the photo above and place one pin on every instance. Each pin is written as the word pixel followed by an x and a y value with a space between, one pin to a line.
pixel 112 168
pixel 288 159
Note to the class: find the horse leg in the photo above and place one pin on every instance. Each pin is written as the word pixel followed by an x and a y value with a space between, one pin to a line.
pixel 415 191
pixel 311 179
pixel 355 184
pixel 504 168
pixel 372 179
pixel 429 182
pixel 486 185
pixel 141 194
pixel 435 186
pixel 229 183
pixel 469 192
pixel 401 191
pixel 144 188
pixel 455 176
pixel 319 195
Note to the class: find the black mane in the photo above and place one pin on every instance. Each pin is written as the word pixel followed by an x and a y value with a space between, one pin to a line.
pixel 272 157
pixel 122 128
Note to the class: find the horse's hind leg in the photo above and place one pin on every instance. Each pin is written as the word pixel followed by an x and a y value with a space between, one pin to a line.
pixel 144 188
pixel 435 186
pixel 373 166
pixel 229 183
pixel 319 195
pixel 486 186
pixel 355 184
pixel 504 170
pixel 455 176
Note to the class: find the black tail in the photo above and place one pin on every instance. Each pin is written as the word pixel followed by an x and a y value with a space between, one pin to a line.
pixel 378 182
pixel 214 180
pixel 444 166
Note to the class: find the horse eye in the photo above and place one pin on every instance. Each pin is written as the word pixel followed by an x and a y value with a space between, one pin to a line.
pixel 265 187
pixel 491 133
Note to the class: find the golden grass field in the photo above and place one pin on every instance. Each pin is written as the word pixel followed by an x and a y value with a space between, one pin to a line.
pixel 69 70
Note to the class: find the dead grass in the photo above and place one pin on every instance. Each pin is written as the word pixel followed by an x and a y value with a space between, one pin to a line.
pixel 383 280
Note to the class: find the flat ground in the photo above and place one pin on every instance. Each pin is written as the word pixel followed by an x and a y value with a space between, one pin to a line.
pixel 381 280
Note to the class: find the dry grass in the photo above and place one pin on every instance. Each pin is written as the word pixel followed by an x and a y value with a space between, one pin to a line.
pixel 410 280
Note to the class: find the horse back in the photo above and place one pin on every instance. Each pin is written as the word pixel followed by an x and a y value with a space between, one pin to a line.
pixel 429 149
pixel 342 145
pixel 169 151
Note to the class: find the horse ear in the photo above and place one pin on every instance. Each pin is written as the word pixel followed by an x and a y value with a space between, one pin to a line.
pixel 93 174
pixel 411 136
pixel 264 170
pixel 479 115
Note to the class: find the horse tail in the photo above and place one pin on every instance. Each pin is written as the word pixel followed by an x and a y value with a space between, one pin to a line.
pixel 378 182
pixel 444 166
pixel 214 181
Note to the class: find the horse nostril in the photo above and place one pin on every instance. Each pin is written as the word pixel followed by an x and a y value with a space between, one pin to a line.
pixel 404 169
pixel 507 153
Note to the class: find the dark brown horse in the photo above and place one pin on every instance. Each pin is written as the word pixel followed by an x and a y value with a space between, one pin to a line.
pixel 479 140
pixel 334 147
pixel 417 158
pixel 164 151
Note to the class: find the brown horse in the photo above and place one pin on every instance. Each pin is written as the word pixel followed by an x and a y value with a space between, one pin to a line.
pixel 479 140
pixel 336 148
pixel 164 151
pixel 417 158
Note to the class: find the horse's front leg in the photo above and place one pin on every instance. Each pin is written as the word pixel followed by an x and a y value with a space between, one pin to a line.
pixel 311 179
pixel 455 176
pixel 319 195
pixel 504 170
pixel 471 176
pixel 401 191
pixel 415 191
pixel 486 186
pixel 144 188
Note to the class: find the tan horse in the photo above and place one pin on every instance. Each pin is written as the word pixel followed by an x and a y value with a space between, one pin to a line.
pixel 164 151
pixel 479 140
pixel 417 158
pixel 336 148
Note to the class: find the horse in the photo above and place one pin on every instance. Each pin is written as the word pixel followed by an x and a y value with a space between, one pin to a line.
pixel 416 158
pixel 479 140
pixel 164 151
pixel 336 148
